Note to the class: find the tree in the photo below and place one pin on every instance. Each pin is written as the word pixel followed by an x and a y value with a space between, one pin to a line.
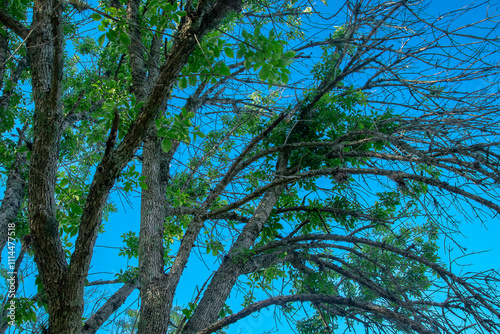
pixel 314 153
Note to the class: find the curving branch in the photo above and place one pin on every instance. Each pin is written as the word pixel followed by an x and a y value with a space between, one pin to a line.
pixel 384 312
pixel 483 300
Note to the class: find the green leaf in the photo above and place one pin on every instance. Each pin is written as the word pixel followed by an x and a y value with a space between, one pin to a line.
pixel 284 78
pixel 76 209
pixel 248 64
pixel 289 54
pixel 224 70
pixel 166 145
pixel 240 53
pixel 216 52
pixel 125 38
pixel 183 83
pixel 229 52
pixel 268 54
pixel 192 79
pixel 256 32
pixel 101 39
pixel 284 62
pixel 112 35
pixel 96 17
pixel 63 183
pixel 149 13
pixel 264 73
pixel 22 149
pixel 187 313
pixel 143 185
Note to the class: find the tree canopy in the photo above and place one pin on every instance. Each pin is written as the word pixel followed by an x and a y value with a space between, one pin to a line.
pixel 319 156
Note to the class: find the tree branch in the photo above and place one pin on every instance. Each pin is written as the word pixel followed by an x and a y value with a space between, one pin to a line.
pixel 112 304
pixel 393 316
pixel 13 24
pixel 14 191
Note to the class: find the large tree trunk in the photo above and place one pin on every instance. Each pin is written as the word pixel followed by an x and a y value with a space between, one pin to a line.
pixel 155 304
pixel 45 45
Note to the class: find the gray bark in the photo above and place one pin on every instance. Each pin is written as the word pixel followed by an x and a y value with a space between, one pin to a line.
pixel 157 291
pixel 45 46
pixel 226 276
pixel 155 305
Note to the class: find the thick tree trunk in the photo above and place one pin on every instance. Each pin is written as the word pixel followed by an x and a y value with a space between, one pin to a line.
pixel 158 289
pixel 155 305
pixel 45 45
pixel 154 311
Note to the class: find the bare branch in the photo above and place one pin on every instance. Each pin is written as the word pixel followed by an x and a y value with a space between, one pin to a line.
pixel 112 304
pixel 318 298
